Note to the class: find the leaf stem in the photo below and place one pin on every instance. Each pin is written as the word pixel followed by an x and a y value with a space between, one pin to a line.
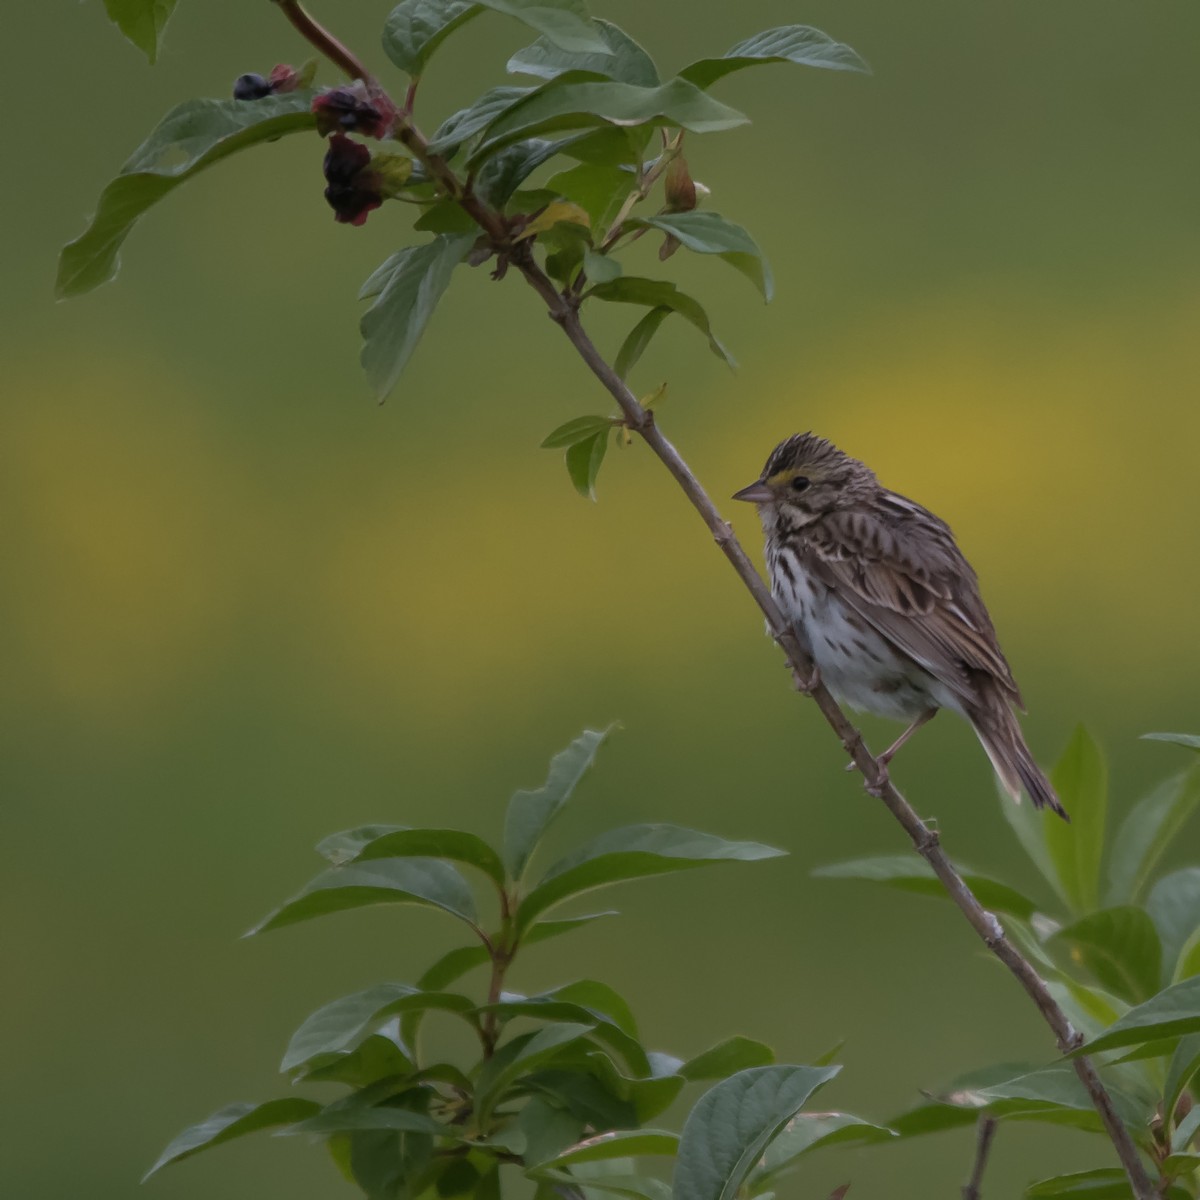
pixel 324 41
pixel 985 1131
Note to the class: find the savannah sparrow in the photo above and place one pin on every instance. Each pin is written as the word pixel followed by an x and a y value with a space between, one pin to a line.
pixel 887 603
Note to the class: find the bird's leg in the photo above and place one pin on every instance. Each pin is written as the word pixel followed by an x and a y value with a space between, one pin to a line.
pixel 804 686
pixel 890 753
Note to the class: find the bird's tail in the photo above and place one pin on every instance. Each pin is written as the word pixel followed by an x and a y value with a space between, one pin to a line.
pixel 1001 737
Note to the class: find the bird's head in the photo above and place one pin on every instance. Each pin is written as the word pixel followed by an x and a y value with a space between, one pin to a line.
pixel 805 477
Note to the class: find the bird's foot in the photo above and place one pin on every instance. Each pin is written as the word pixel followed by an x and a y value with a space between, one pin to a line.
pixel 806 686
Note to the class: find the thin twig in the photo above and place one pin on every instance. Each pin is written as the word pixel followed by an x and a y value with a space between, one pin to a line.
pixel 564 311
pixel 985 1131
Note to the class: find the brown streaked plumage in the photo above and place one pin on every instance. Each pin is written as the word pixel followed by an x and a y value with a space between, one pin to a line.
pixel 887 603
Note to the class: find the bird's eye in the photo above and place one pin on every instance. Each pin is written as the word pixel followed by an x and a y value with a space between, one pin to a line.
pixel 799 483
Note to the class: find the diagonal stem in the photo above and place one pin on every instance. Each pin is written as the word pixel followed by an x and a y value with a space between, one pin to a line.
pixel 565 311
pixel 875 776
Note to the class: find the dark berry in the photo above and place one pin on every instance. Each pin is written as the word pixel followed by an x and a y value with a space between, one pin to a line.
pixel 347 110
pixel 250 87
pixel 354 190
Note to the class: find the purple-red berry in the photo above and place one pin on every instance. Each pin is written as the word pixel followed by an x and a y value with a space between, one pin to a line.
pixel 251 87
pixel 354 190
pixel 349 110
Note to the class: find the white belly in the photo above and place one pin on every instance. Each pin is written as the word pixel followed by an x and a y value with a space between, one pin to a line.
pixel 857 664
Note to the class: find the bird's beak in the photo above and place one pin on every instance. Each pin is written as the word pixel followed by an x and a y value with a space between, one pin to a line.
pixel 756 493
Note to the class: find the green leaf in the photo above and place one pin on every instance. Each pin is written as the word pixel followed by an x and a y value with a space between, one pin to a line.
pixel 445 216
pixel 1174 907
pixel 141 21
pixel 1058 1087
pixel 191 137
pixel 344 846
pixel 649 1095
pixel 810 1131
pixel 450 844
pixel 519 1056
pixel 548 1129
pixel 799 44
pixel 578 429
pixel 732 1124
pixel 502 174
pixel 617 1143
pixel 710 233
pixel 1190 740
pixel 1104 1183
pixel 477 116
pixel 341 1117
pixel 1080 778
pixel 727 1057
pixel 582 1090
pixel 1146 832
pixel 584 459
pixel 1175 1165
pixel 416 28
pixel 631 1187
pixel 530 814
pixel 1184 1064
pixel 599 268
pixel 1186 1130
pixel 908 873
pixel 1120 947
pixel 598 188
pixel 1173 1012
pixel 385 881
pixel 657 293
pixel 634 346
pixel 233 1121
pixel 1188 963
pixel 624 60
pixel 586 1002
pixel 413 281
pixel 1029 825
pixel 380 1055
pixel 934 1117
pixel 634 852
pixel 570 103
pixel 344 1023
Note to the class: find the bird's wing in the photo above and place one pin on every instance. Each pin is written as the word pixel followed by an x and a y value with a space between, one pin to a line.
pixel 905 576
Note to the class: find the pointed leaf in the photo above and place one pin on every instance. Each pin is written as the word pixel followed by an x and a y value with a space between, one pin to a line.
pixel 1186 1130
pixel 599 188
pixel 578 429
pixel 571 103
pixel 810 1131
pixel 451 844
pixel 1104 1183
pixel 733 1123
pixel 380 1055
pixel 385 881
pixel 502 174
pixel 519 1056
pixel 189 138
pixel 617 1143
pixel 477 116
pixel 584 459
pixel 624 60
pixel 1173 1012
pixel 656 293
pixel 342 1118
pixel 141 21
pixel 726 1058
pixel 564 22
pixel 800 44
pixel 634 346
pixel 235 1120
pixel 1184 1064
pixel 1146 832
pixel 1190 740
pixel 531 813
pixel 1080 778
pixel 1120 947
pixel 1029 825
pixel 710 233
pixel 630 1187
pixel 909 873
pixel 416 28
pixel 1174 907
pixel 344 1023
pixel 634 852
pixel 413 282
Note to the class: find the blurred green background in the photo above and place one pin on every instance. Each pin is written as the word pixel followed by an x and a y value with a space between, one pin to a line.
pixel 243 606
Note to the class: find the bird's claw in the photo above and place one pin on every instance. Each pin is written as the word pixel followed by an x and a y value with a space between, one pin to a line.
pixel 804 686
